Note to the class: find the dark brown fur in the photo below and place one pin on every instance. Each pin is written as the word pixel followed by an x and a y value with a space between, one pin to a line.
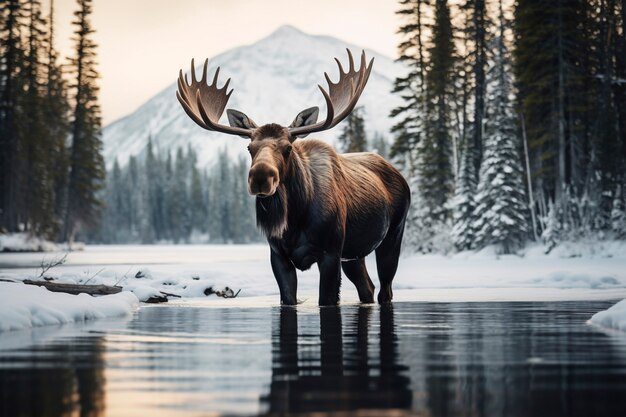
pixel 329 209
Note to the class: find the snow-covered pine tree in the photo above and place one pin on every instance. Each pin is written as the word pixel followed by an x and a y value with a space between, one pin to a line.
pixel 618 215
pixel 463 204
pixel 501 211
pixel 353 138
pixel 551 234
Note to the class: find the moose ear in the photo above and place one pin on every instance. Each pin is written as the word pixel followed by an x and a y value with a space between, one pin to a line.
pixel 305 118
pixel 239 119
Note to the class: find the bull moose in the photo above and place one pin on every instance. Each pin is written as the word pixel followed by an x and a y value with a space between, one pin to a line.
pixel 313 204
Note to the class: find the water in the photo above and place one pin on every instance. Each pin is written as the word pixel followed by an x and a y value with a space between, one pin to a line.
pixel 437 359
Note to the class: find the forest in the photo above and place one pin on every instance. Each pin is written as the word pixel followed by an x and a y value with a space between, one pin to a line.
pixel 51 165
pixel 512 130
pixel 514 124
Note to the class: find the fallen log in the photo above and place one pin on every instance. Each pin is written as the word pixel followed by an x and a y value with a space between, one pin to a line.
pixel 75 288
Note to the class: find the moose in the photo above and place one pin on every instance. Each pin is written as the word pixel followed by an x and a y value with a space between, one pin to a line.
pixel 313 204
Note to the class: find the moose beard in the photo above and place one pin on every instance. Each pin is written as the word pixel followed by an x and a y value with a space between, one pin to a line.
pixel 271 213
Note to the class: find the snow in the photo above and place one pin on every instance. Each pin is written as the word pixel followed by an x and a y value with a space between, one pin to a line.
pixel 24 306
pixel 24 242
pixel 591 271
pixel 612 318
pixel 273 79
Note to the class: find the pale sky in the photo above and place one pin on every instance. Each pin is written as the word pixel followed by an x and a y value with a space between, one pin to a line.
pixel 143 43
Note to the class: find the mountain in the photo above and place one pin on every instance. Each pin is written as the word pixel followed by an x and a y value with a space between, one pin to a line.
pixel 273 79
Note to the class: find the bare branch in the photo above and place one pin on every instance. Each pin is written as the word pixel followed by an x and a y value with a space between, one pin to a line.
pixel 46 266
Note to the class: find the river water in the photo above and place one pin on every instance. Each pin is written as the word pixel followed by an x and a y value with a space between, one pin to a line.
pixel 412 358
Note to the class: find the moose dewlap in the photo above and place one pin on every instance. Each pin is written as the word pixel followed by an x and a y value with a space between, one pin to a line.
pixel 313 204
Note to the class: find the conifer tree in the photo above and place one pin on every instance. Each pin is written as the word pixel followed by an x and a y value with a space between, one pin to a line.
pixel 353 138
pixel 434 163
pixel 501 212
pixel 409 128
pixel 463 204
pixel 37 187
pixel 476 29
pixel 11 88
pixel 552 227
pixel 86 163
pixel 55 115
pixel 554 69
pixel 618 215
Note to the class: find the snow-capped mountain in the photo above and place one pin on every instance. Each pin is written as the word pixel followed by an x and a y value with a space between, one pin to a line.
pixel 273 79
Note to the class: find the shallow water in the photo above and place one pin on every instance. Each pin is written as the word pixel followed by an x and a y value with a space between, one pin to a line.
pixel 435 359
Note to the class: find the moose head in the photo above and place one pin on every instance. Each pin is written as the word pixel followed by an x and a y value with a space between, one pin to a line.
pixel 270 145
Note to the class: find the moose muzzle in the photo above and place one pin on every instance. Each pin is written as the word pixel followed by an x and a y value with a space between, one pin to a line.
pixel 262 180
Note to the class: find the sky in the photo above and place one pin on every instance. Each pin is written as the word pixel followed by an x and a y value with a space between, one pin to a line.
pixel 143 43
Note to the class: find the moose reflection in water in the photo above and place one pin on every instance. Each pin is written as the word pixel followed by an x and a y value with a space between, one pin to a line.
pixel 335 370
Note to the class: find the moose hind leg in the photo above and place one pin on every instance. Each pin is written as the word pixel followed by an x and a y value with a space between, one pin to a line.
pixel 356 272
pixel 387 256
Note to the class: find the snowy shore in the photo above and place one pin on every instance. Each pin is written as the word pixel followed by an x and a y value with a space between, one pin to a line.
pixel 24 306
pixel 611 318
pixel 573 272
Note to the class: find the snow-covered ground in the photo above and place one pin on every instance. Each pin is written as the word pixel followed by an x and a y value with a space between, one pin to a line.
pixel 24 306
pixel 569 272
pixel 611 318
pixel 23 242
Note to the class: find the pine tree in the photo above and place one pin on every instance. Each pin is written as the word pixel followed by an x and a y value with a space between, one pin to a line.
pixel 618 215
pixel 554 68
pixel 55 115
pixel 409 129
pixel 434 163
pixel 463 203
pixel 37 186
pixel 476 57
pixel 86 163
pixel 552 228
pixel 608 161
pixel 501 212
pixel 11 88
pixel 353 138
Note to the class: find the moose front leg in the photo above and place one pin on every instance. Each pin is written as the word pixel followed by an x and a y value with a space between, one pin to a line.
pixel 330 279
pixel 285 274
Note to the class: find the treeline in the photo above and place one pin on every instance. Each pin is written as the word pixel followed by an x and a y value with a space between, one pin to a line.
pixel 168 198
pixel 51 166
pixel 165 198
pixel 513 125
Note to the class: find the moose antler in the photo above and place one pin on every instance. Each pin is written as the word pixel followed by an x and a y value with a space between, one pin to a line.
pixel 341 97
pixel 205 103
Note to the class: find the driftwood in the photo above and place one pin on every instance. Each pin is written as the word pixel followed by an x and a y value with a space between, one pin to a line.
pixel 75 288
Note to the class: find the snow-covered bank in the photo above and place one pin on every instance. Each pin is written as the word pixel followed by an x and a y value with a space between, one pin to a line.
pixel 24 242
pixel 24 306
pixel 188 271
pixel 611 318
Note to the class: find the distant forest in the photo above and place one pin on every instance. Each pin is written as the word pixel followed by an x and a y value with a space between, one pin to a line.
pixel 169 198
pixel 512 130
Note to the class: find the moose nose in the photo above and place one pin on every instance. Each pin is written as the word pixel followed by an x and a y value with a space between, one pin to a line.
pixel 262 179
